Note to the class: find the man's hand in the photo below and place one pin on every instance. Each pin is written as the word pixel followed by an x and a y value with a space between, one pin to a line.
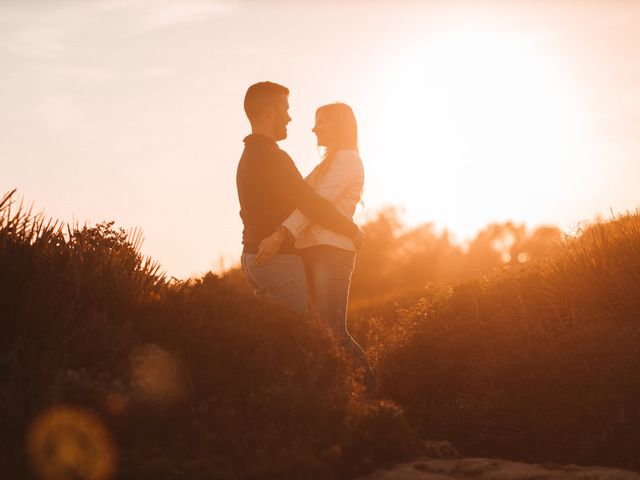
pixel 270 246
pixel 360 240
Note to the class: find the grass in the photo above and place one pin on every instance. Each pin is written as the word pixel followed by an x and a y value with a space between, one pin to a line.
pixel 539 363
pixel 198 379
pixel 184 379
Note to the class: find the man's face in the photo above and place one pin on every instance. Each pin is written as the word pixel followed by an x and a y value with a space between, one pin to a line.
pixel 280 117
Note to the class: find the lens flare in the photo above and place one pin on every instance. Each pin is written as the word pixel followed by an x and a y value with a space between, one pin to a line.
pixel 156 374
pixel 116 403
pixel 66 442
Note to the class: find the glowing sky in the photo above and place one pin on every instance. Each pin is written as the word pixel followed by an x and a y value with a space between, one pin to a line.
pixel 131 110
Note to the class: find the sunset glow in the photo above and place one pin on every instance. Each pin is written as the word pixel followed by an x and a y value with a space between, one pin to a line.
pixel 469 114
pixel 286 239
pixel 484 121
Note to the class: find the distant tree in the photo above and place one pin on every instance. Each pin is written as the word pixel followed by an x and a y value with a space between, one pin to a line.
pixel 539 244
pixel 491 248
pixel 375 263
pixel 398 263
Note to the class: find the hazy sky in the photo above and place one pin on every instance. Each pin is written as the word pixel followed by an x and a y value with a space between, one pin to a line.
pixel 131 110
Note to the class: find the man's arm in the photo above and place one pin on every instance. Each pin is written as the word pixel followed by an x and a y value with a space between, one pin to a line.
pixel 291 185
pixel 345 170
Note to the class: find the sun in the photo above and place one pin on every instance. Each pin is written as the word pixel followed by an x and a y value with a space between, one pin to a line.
pixel 473 126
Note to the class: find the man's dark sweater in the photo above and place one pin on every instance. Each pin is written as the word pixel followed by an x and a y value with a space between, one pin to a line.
pixel 270 188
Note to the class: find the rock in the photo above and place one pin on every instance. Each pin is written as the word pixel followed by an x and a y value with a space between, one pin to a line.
pixel 439 449
pixel 493 469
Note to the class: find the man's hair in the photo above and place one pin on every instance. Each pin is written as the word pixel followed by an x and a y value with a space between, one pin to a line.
pixel 261 95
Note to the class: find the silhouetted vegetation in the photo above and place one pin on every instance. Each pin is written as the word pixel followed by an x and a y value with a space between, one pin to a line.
pixel 540 362
pixel 521 344
pixel 193 380
pixel 398 263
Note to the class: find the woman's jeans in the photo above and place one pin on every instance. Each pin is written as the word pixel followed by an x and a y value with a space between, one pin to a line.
pixel 282 279
pixel 329 272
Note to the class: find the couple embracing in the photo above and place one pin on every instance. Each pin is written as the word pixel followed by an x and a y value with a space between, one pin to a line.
pixel 299 239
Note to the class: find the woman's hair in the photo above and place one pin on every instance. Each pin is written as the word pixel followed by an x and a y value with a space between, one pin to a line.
pixel 341 116
pixel 345 132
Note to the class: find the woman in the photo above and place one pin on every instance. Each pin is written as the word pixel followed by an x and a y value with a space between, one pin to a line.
pixel 329 257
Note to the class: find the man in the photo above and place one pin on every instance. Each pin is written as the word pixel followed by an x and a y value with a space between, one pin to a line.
pixel 270 188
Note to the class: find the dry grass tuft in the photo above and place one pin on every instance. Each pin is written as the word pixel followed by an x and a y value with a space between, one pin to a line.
pixel 536 363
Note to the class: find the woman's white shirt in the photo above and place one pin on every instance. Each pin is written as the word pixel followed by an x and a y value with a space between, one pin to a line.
pixel 342 185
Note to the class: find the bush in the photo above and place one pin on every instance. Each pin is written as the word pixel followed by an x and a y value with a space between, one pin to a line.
pixel 539 363
pixel 100 353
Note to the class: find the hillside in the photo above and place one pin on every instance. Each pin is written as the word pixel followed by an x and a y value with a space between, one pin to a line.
pixel 537 363
pixel 109 367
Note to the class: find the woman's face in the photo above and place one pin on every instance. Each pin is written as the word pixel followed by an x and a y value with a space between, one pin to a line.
pixel 323 130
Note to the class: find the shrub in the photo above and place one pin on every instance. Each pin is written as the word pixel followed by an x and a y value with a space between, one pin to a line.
pixel 535 363
pixel 187 379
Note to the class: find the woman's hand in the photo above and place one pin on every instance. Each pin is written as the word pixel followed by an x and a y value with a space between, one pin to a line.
pixel 270 246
